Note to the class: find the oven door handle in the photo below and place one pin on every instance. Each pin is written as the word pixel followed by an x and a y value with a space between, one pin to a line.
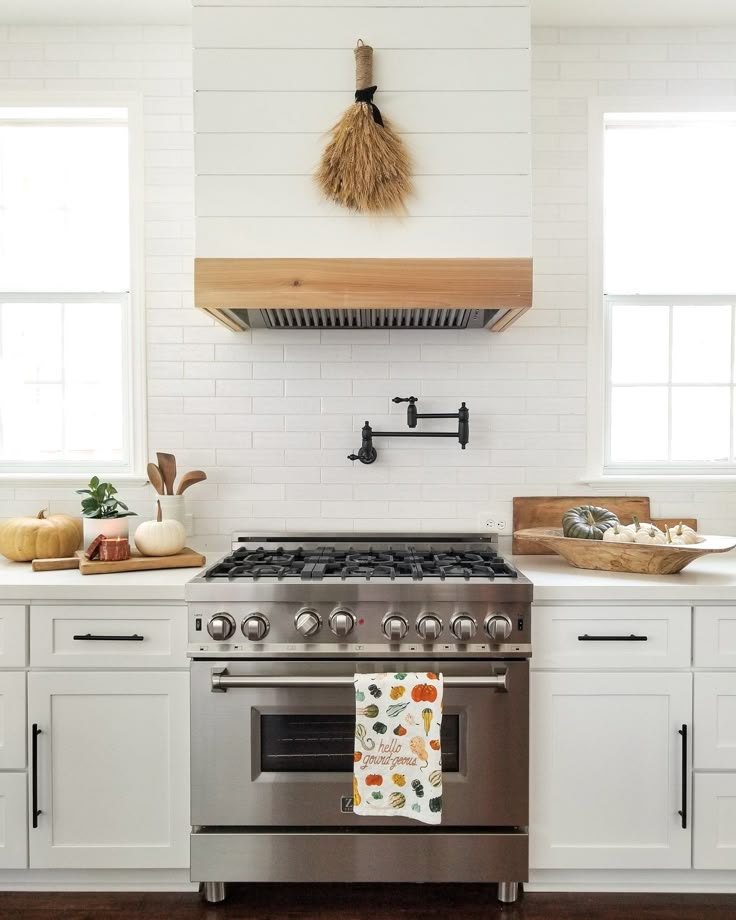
pixel 222 681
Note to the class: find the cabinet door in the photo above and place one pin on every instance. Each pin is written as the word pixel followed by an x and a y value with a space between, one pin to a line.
pixel 715 718
pixel 12 720
pixel 606 770
pixel 113 769
pixel 714 834
pixel 13 821
pixel 13 636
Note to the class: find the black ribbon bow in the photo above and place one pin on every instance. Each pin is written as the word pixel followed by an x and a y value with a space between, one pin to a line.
pixel 366 95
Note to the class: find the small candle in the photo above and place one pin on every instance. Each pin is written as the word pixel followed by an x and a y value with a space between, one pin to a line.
pixel 114 549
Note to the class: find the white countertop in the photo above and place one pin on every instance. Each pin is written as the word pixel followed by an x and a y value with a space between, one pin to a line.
pixel 19 583
pixel 711 578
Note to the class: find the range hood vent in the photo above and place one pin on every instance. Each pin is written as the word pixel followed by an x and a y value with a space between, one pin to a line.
pixel 364 293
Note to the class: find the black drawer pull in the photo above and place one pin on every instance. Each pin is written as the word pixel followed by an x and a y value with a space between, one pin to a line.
pixel 88 637
pixel 35 810
pixel 630 638
pixel 683 811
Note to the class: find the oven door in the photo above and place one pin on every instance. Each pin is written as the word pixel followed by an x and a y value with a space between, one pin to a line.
pixel 272 742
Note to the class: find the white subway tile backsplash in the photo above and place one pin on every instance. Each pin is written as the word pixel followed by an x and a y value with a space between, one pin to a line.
pixel 271 416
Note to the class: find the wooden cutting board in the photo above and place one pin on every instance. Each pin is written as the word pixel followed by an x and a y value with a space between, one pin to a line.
pixel 547 511
pixel 186 559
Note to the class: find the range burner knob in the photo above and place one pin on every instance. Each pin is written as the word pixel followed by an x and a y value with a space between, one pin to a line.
pixel 342 621
pixel 463 627
pixel 498 627
pixel 255 627
pixel 221 626
pixel 395 627
pixel 307 621
pixel 429 626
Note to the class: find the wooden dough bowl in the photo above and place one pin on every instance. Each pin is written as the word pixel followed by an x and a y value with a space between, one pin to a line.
pixel 640 558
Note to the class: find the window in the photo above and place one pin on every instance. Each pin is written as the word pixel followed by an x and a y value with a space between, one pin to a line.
pixel 665 308
pixel 70 387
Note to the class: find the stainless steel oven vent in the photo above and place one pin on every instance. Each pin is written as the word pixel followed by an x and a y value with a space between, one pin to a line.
pixel 387 318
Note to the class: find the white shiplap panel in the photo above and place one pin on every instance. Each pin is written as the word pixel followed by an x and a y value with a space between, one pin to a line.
pixel 355 236
pixel 421 70
pixel 298 196
pixel 330 27
pixel 298 154
pixel 317 111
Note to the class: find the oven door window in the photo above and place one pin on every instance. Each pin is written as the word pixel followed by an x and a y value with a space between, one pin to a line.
pixel 293 743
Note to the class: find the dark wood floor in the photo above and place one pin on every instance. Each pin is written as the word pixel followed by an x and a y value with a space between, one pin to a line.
pixel 364 902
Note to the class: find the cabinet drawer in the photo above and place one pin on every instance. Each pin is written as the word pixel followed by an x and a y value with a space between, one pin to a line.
pixel 715 637
pixel 611 637
pixel 13 636
pixel 12 720
pixel 714 828
pixel 13 821
pixel 108 636
pixel 715 718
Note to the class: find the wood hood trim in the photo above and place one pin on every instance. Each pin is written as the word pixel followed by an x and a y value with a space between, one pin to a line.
pixel 503 284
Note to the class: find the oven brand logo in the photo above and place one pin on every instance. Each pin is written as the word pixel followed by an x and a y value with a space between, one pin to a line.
pixel 346 804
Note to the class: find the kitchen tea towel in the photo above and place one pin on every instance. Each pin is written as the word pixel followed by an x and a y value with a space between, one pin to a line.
pixel 398 761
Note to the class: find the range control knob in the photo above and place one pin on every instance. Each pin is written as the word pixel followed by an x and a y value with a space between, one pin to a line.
pixel 342 621
pixel 255 627
pixel 498 627
pixel 463 627
pixel 395 627
pixel 429 627
pixel 307 621
pixel 221 626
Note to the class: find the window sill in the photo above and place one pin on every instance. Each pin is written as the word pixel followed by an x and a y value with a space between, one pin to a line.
pixel 57 480
pixel 621 479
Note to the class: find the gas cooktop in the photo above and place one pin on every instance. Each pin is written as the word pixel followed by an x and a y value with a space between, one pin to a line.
pixel 400 562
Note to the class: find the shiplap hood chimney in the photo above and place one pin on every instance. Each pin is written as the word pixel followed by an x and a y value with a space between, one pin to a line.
pixel 271 80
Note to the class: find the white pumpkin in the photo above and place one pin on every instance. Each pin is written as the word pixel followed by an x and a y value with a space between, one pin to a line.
pixel 618 534
pixel 651 535
pixel 687 534
pixel 160 538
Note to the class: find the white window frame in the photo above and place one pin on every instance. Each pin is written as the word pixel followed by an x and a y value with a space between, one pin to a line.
pixel 134 345
pixel 598 432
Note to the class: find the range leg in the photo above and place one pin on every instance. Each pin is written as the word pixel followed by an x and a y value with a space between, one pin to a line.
pixel 508 892
pixel 214 892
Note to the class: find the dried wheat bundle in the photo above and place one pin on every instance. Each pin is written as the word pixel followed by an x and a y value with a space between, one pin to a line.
pixel 365 166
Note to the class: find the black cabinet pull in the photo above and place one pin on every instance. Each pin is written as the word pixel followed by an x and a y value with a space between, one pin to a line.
pixel 88 637
pixel 36 811
pixel 630 638
pixel 683 811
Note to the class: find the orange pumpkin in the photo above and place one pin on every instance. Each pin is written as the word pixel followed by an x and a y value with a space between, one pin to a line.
pixel 424 693
pixel 435 745
pixel 357 756
pixel 374 779
pixel 25 538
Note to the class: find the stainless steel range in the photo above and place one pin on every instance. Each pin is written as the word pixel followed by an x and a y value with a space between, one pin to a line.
pixel 277 630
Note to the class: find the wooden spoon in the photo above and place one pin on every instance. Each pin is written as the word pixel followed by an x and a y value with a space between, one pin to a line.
pixel 167 465
pixel 188 479
pixel 154 474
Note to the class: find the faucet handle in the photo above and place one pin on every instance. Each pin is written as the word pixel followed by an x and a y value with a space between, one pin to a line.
pixel 400 399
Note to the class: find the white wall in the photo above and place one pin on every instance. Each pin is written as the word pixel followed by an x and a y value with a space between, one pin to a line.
pixel 271 416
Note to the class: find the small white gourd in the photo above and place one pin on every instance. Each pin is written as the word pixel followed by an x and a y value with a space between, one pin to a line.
pixel 618 534
pixel 687 534
pixel 160 537
pixel 651 535
pixel 673 539
pixel 639 526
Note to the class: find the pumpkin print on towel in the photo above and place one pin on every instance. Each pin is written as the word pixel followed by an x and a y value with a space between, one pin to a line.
pixel 397 769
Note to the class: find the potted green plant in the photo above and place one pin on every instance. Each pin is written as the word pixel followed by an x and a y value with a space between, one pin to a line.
pixel 102 512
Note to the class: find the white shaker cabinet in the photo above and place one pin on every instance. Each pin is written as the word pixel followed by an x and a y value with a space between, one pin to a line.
pixel 111 769
pixel 607 770
pixel 714 833
pixel 13 824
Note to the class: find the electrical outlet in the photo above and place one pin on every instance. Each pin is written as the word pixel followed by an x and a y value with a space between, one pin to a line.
pixel 496 522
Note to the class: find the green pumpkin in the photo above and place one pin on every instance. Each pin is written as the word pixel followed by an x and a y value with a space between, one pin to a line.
pixel 587 522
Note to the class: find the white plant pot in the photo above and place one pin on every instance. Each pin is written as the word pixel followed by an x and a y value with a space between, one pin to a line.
pixel 108 527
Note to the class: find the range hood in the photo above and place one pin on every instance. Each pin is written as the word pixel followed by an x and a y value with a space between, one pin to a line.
pixel 270 80
pixel 364 293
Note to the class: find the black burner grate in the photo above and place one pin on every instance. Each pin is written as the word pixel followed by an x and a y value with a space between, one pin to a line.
pixel 326 562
